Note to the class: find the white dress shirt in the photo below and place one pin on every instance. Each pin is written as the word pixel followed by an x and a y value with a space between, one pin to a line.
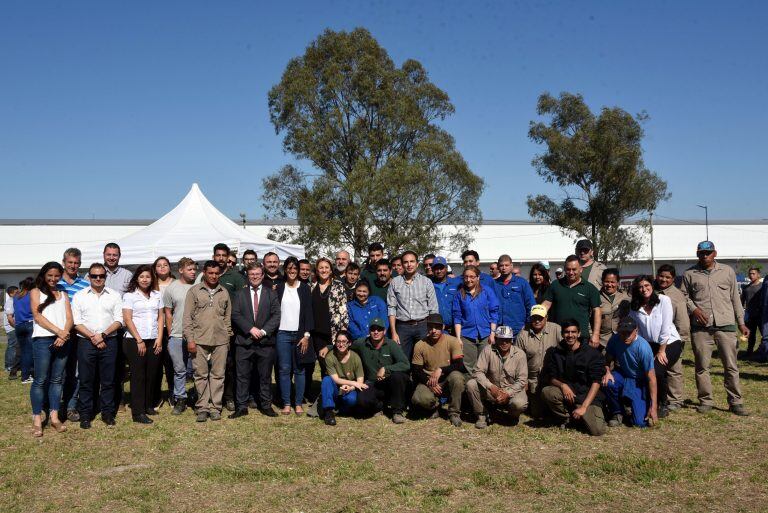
pixel 95 311
pixel 657 326
pixel 145 311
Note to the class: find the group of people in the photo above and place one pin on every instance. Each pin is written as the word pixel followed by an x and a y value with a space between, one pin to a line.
pixel 574 350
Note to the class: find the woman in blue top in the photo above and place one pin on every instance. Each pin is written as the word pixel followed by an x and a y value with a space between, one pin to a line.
pixel 475 316
pixel 22 318
pixel 364 308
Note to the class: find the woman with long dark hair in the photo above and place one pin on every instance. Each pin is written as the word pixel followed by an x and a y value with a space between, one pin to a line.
pixel 654 316
pixel 539 280
pixel 295 353
pixel 143 342
pixel 475 316
pixel 23 320
pixel 52 324
pixel 161 268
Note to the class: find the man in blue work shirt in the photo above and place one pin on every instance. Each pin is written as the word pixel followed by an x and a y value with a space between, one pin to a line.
pixel 515 296
pixel 445 289
pixel 632 378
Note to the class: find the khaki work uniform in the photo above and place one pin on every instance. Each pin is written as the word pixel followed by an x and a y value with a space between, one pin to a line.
pixel 595 274
pixel 208 323
pixel 612 312
pixel 535 347
pixel 510 374
pixel 716 293
pixel 675 387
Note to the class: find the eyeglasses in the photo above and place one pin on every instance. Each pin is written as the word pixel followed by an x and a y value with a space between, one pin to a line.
pixel 97 276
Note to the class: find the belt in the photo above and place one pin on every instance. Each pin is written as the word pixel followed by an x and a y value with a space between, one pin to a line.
pixel 412 322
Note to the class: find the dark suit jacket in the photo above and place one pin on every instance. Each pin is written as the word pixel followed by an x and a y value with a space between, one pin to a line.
pixel 306 319
pixel 268 318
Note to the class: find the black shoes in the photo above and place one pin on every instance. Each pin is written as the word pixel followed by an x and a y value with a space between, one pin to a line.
pixel 179 407
pixel 253 404
pixel 109 420
pixel 85 424
pixel 142 419
pixel 240 412
pixel 269 412
pixel 330 418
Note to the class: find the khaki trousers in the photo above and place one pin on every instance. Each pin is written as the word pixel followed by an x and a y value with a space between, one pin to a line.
pixel 479 396
pixel 593 419
pixel 704 342
pixel 210 383
pixel 453 385
pixel 675 389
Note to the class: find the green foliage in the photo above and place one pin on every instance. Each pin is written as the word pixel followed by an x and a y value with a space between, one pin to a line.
pixel 387 172
pixel 597 162
pixel 744 266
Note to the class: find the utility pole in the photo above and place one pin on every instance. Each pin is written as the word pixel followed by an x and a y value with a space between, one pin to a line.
pixel 653 259
pixel 242 216
pixel 706 218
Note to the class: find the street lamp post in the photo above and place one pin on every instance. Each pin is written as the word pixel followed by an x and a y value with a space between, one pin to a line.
pixel 706 218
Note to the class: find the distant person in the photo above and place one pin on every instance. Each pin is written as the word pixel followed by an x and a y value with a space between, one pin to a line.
pixel 475 316
pixel 515 296
pixel 144 320
pixel 574 372
pixel 350 279
pixel 410 299
pixel 538 338
pixel 51 332
pixel 573 298
pixel 614 305
pixel 380 285
pixel 232 261
pixel 345 379
pixel 255 319
pixel 207 330
pixel 493 270
pixel 471 257
pixel 174 297
pixel 118 279
pixel 305 271
pixel 716 314
pixel 752 301
pixel 559 273
pixel 445 290
pixel 665 285
pixel 499 379
pixel 375 253
pixel 591 269
pixel 539 281
pixel 97 313
pixel 397 265
pixel 342 262
pixel 250 257
pixel 12 352
pixel 24 323
pixel 438 370
pixel 630 377
pixel 364 308
pixel 272 270
pixel 71 282
pixel 426 262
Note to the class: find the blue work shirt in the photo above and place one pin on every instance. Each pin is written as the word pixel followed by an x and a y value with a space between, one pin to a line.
pixel 516 300
pixel 360 315
pixel 487 281
pixel 445 292
pixel 635 359
pixel 476 314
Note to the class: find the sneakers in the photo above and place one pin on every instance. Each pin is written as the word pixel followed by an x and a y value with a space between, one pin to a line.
pixel 202 416
pixel 455 419
pixel 481 422
pixel 398 417
pixel 73 415
pixel 616 421
pixel 738 409
pixel 27 381
pixel 704 408
pixel 179 407
pixel 215 415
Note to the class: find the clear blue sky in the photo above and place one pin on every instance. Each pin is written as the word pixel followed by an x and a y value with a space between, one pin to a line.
pixel 113 109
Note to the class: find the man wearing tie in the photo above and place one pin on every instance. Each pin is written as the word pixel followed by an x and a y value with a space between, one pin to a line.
pixel 255 318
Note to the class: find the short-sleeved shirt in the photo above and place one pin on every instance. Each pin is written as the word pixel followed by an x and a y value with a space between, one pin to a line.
pixel 635 359
pixel 173 298
pixel 145 310
pixel 351 370
pixel 438 355
pixel 72 288
pixel 575 302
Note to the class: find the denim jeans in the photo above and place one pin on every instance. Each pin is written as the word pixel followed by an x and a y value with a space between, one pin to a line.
pixel 24 347
pixel 287 365
pixel 410 334
pixel 93 362
pixel 49 363
pixel 330 396
pixel 12 355
pixel 71 390
pixel 176 352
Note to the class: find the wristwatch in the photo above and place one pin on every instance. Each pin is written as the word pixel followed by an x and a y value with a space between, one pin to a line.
pixel 103 335
pixel 306 334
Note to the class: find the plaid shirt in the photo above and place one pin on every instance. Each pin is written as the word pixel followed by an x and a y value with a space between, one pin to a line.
pixel 411 301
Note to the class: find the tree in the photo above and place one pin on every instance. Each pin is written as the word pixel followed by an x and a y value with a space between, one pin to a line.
pixel 597 161
pixel 385 171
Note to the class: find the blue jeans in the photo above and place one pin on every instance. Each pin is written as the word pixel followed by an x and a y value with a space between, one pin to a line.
pixel 285 346
pixel 410 334
pixel 11 353
pixel 24 346
pixel 49 362
pixel 176 352
pixel 71 389
pixel 635 390
pixel 330 397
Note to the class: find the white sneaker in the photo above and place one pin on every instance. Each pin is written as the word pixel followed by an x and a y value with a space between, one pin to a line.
pixel 27 381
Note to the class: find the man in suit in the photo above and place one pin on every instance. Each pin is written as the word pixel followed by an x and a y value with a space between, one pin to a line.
pixel 255 319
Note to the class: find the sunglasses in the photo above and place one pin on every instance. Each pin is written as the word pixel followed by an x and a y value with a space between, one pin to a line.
pixel 97 276
pixel 376 328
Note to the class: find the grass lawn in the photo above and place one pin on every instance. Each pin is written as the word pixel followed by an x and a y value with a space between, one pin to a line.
pixel 691 462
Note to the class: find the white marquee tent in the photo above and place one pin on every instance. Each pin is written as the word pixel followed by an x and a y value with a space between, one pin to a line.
pixel 191 229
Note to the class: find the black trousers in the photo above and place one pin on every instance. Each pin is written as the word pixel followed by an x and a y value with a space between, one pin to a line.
pixel 144 369
pixel 167 368
pixel 92 363
pixel 674 351
pixel 319 341
pixel 392 390
pixel 753 324
pixel 229 374
pixel 254 362
pixel 120 370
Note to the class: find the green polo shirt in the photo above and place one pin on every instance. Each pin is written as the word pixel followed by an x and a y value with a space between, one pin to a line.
pixel 389 355
pixel 232 281
pixel 575 302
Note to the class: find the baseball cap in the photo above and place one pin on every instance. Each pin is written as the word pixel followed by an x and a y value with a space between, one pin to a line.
pixel 545 263
pixel 505 332
pixel 558 270
pixel 435 318
pixel 584 244
pixel 539 310
pixel 439 261
pixel 705 245
pixel 377 321
pixel 627 324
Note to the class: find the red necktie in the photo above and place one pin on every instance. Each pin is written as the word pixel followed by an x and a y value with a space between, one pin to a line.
pixel 255 303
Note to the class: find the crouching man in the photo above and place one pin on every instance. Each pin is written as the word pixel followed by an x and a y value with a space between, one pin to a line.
pixel 499 379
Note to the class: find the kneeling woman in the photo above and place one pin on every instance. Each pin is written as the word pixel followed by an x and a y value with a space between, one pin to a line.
pixel 654 316
pixel 345 377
